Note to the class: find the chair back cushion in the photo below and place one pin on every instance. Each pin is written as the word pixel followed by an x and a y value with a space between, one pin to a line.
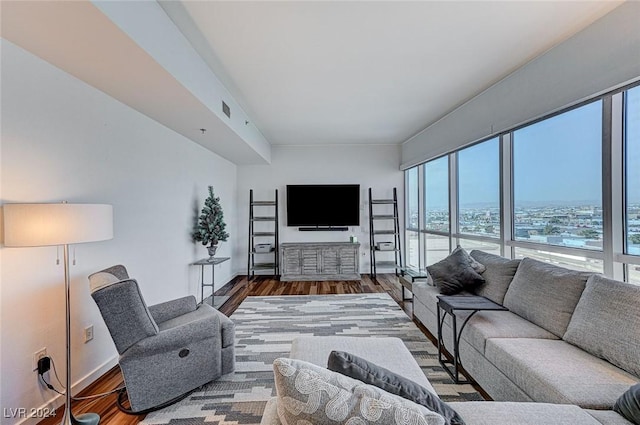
pixel 498 275
pixel 545 294
pixel 606 322
pixel 123 309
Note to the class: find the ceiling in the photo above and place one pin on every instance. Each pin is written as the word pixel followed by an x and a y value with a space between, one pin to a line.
pixel 304 72
pixel 368 72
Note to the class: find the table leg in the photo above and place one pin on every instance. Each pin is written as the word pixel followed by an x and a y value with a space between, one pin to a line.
pixel 455 373
pixel 213 284
pixel 201 284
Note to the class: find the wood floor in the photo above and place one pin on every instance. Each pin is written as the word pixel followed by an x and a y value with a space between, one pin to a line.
pixel 238 290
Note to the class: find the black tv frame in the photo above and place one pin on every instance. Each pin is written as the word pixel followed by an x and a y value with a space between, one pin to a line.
pixel 309 227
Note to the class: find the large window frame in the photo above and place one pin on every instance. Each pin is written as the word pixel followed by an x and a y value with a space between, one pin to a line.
pixel 613 257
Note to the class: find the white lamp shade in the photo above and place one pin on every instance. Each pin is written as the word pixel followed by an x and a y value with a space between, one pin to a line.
pixel 56 224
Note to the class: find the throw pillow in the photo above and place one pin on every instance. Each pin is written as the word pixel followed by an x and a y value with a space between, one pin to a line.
pixel 628 405
pixel 310 394
pixel 456 272
pixel 370 373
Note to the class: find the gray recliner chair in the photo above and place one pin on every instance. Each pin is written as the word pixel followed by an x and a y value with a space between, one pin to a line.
pixel 166 350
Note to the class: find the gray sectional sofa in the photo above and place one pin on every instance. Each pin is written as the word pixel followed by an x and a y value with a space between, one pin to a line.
pixel 393 355
pixel 568 337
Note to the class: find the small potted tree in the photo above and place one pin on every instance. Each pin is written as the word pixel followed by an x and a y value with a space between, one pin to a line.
pixel 210 229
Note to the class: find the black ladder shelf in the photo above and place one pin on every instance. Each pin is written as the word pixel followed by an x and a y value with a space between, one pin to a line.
pixel 263 234
pixel 380 215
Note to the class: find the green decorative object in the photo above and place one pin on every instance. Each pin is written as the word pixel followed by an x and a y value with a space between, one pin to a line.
pixel 210 228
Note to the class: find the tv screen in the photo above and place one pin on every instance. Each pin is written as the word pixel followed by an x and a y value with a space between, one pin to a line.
pixel 323 205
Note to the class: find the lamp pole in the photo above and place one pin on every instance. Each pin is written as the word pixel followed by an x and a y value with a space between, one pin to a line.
pixel 68 418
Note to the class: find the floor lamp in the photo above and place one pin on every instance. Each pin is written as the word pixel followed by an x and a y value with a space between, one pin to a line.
pixel 29 225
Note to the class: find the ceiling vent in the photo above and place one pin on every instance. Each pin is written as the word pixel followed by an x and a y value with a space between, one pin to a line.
pixel 226 109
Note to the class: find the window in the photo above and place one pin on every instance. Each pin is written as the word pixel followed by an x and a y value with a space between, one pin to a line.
pixel 412 198
pixel 569 261
pixel 632 274
pixel 436 249
pixel 412 242
pixel 490 247
pixel 479 189
pixel 436 195
pixel 557 179
pixel 632 166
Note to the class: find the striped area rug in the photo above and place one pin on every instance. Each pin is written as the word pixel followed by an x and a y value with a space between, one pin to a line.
pixel 265 327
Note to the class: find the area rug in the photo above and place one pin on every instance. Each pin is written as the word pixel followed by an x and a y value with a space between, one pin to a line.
pixel 265 327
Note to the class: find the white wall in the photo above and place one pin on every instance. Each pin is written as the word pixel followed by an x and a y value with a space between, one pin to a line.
pixel 64 140
pixel 368 166
pixel 601 57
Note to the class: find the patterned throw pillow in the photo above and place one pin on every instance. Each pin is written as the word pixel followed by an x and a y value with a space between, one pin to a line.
pixel 370 373
pixel 309 394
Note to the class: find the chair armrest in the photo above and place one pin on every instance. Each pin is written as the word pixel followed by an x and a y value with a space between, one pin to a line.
pixel 172 309
pixel 176 338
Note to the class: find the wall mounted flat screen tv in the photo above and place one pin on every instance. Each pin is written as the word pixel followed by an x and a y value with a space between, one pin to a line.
pixel 328 205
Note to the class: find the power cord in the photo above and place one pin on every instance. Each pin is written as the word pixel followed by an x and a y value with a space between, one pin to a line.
pixel 122 391
pixel 52 388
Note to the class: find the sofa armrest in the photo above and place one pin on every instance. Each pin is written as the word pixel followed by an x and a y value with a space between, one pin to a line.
pixel 172 309
pixel 176 338
pixel 228 329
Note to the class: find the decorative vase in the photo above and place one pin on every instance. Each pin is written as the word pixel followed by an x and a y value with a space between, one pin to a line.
pixel 212 251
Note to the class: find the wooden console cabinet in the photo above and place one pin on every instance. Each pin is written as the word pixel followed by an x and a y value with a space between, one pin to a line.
pixel 320 261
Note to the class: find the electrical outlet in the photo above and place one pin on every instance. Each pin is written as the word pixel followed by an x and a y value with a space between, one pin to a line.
pixel 37 356
pixel 88 333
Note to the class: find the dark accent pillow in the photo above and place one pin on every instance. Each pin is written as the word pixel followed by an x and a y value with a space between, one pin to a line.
pixel 628 405
pixel 358 368
pixel 456 272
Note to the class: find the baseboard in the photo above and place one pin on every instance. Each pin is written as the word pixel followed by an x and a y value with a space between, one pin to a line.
pixel 58 400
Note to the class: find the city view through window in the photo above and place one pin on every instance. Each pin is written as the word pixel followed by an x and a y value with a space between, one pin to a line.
pixel 557 182
pixel 556 187
pixel 632 136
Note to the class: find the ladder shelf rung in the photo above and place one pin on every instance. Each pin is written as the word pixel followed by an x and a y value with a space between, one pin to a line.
pixel 263 219
pixel 263 266
pixel 387 265
pixel 385 232
pixel 263 234
pixel 382 201
pixel 384 217
pixel 263 204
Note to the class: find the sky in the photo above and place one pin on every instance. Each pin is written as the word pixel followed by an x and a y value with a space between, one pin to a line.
pixel 556 161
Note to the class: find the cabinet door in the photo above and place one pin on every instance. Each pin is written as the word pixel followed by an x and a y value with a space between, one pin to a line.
pixel 330 261
pixel 291 261
pixel 310 261
pixel 348 260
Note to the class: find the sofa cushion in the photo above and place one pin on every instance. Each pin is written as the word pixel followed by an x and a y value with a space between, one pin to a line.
pixel 492 413
pixel 554 371
pixel 628 405
pixel 606 322
pixel 358 368
pixel 545 294
pixel 310 394
pixel 456 272
pixel 390 353
pixel 498 274
pixel 499 324
pixel 608 417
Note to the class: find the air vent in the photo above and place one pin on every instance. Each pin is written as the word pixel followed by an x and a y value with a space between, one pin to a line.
pixel 226 109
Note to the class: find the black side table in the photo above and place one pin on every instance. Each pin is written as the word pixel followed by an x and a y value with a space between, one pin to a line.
pixel 449 305
pixel 213 263
pixel 408 276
